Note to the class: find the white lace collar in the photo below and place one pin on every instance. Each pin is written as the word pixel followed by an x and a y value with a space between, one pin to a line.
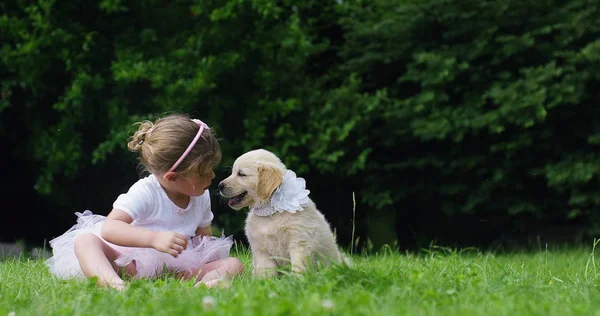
pixel 290 196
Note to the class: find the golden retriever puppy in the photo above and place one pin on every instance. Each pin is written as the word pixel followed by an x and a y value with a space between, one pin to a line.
pixel 283 226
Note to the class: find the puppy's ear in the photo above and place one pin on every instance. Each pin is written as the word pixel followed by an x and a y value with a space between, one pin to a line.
pixel 270 177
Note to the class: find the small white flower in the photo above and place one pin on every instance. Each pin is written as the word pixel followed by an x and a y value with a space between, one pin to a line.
pixel 328 304
pixel 209 302
pixel 12 314
pixel 272 294
pixel 291 195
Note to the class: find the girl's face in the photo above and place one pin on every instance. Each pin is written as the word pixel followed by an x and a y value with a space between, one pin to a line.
pixel 192 185
pixel 195 185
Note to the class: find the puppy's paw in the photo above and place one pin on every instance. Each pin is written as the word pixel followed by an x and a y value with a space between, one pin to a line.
pixel 260 272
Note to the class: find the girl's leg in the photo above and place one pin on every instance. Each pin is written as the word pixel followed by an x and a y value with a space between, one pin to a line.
pixel 210 273
pixel 96 258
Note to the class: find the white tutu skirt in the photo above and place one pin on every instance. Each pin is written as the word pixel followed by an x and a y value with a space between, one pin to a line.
pixel 148 261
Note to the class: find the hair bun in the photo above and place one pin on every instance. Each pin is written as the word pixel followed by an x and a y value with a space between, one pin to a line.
pixel 139 137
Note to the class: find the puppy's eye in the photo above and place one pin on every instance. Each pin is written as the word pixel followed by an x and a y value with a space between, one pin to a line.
pixel 241 174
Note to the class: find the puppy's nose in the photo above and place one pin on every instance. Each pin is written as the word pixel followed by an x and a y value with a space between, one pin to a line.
pixel 221 185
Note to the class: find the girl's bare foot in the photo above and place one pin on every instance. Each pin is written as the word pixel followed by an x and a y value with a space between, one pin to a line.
pixel 222 283
pixel 118 285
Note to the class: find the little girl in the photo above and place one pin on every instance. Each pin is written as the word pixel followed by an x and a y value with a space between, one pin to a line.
pixel 163 223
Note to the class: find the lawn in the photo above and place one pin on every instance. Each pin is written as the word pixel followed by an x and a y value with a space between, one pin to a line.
pixel 437 281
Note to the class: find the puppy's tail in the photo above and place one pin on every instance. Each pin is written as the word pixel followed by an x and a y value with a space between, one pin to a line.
pixel 345 259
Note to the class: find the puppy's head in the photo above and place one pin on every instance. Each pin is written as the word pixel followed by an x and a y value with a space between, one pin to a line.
pixel 254 177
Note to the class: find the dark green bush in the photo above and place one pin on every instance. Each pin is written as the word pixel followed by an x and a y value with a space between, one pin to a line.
pixel 439 114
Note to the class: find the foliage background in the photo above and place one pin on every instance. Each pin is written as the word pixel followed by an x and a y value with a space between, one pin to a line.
pixel 463 122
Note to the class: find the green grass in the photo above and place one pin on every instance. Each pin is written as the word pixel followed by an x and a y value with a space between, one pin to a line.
pixel 434 282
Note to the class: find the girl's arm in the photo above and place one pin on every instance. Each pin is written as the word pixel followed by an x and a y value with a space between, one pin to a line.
pixel 117 230
pixel 204 231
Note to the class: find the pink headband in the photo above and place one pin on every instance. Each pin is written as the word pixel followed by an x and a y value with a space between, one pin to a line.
pixel 192 144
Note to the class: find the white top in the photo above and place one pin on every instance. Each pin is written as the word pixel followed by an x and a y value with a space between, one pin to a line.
pixel 149 206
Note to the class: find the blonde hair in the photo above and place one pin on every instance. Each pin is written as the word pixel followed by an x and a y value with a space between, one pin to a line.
pixel 162 143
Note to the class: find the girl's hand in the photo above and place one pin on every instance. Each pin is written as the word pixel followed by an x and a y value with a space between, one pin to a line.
pixel 169 242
